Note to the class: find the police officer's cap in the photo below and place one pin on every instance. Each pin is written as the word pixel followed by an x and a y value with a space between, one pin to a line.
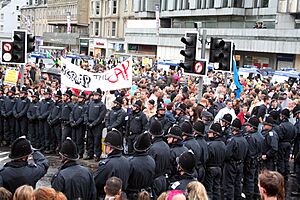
pixel 114 139
pixel 274 114
pixel 20 148
pixel 35 94
pixel 199 127
pixel 68 93
pixel 142 143
pixel 161 106
pixel 216 128
pixel 296 110
pixel 175 132
pixel 253 121
pixel 227 118
pixel 285 113
pixel 156 128
pixel 206 114
pixel 187 161
pixel 269 121
pixel 181 106
pixel 58 93
pixel 12 89
pixel 138 104
pixel 69 149
pixel 82 94
pixel 236 124
pixel 23 90
pixel 119 100
pixel 187 128
pixel 97 92
pixel 48 91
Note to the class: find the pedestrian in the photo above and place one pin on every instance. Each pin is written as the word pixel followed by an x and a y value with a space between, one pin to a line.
pixel 196 191
pixel 228 109
pixel 33 123
pixel 66 109
pixel 46 193
pixel 142 167
pixel 114 165
pixel 19 171
pixel 24 192
pixel 113 189
pixel 271 185
pixel 72 179
pixel 144 195
pixel 296 113
pixel 5 194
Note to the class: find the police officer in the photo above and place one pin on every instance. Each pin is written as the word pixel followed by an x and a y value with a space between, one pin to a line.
pixel 160 152
pixel 236 151
pixel 142 167
pixel 136 124
pixel 72 179
pixel 199 128
pixel 216 156
pixel 160 116
pixel 55 123
pixel 226 123
pixel 207 118
pixel 19 172
pixel 77 123
pixel 254 154
pixel 296 113
pixel 174 138
pixel 7 114
pixel 33 125
pixel 95 115
pixel 180 113
pixel 190 142
pixel 186 163
pixel 116 117
pixel 270 145
pixel 66 109
pixel 287 134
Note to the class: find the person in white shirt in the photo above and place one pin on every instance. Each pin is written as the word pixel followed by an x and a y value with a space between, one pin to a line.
pixel 223 111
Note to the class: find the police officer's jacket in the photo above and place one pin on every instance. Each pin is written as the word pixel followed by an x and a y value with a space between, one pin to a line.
pixel 216 153
pixel 44 109
pixel 260 141
pixel 254 149
pixel 236 148
pixel 66 109
pixel 176 150
pixel 55 113
pixel 142 172
pixel 191 143
pixel 32 111
pixel 77 113
pixel 114 165
pixel 204 149
pixel 182 118
pixel 182 182
pixel 286 131
pixel 160 152
pixel 95 113
pixel 75 181
pixel 115 118
pixel 1 103
pixel 17 173
pixel 8 105
pixel 137 123
pixel 270 145
pixel 165 123
pixel 20 108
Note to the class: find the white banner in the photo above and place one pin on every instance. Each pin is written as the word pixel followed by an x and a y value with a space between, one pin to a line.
pixel 117 78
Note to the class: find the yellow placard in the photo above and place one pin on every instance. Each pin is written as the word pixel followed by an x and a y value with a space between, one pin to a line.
pixel 11 77
pixel 145 61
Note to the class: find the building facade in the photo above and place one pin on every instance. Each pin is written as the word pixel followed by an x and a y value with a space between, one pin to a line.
pixel 266 33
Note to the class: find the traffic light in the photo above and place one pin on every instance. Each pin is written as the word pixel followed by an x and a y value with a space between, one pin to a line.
pixel 6 55
pixel 190 40
pixel 221 52
pixel 200 67
pixel 30 43
pixel 19 47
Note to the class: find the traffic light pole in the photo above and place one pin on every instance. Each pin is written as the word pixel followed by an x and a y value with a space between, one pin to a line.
pixel 22 75
pixel 203 47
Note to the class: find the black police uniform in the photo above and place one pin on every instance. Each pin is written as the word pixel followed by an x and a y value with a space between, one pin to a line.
pixel 204 156
pixel 43 112
pixel 165 122
pixel 75 181
pixel 95 115
pixel 297 158
pixel 176 149
pixel 115 119
pixel 236 151
pixel 33 125
pixel 55 124
pixel 115 165
pixel 78 126
pixel 9 120
pixel 270 149
pixel 17 173
pixel 182 181
pixel 66 109
pixel 20 114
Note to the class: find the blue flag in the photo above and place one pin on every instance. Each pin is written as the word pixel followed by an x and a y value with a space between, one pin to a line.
pixel 236 80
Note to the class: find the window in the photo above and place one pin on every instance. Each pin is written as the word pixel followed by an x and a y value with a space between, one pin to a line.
pixel 225 3
pixel 2 16
pixel 176 4
pixel 238 3
pixel 264 3
pixel 198 4
pixel 114 7
pixel 211 3
pixel 96 29
pixel 1 27
pixel 17 7
pixel 97 7
pixel 187 4
pixel 113 29
pixel 19 18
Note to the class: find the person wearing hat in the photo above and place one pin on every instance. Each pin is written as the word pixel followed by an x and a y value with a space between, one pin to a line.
pixel 161 117
pixel 142 167
pixel 135 125
pixel 207 118
pixel 43 112
pixel 33 123
pixel 286 133
pixel 114 165
pixel 174 139
pixel 251 165
pixel 216 155
pixel 270 145
pixel 19 171
pixel 296 114
pixel 186 164
pixel 236 151
pixel 226 125
pixel 66 109
pixel 95 115
pixel 77 123
pixel 9 120
pixel 180 113
pixel 160 152
pixel 20 113
pixel 116 117
pixel 199 133
pixel 72 179
pixel 190 142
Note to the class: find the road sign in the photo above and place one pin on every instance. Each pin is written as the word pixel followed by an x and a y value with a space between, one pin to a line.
pixel 7 57
pixel 198 67
pixel 7 46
